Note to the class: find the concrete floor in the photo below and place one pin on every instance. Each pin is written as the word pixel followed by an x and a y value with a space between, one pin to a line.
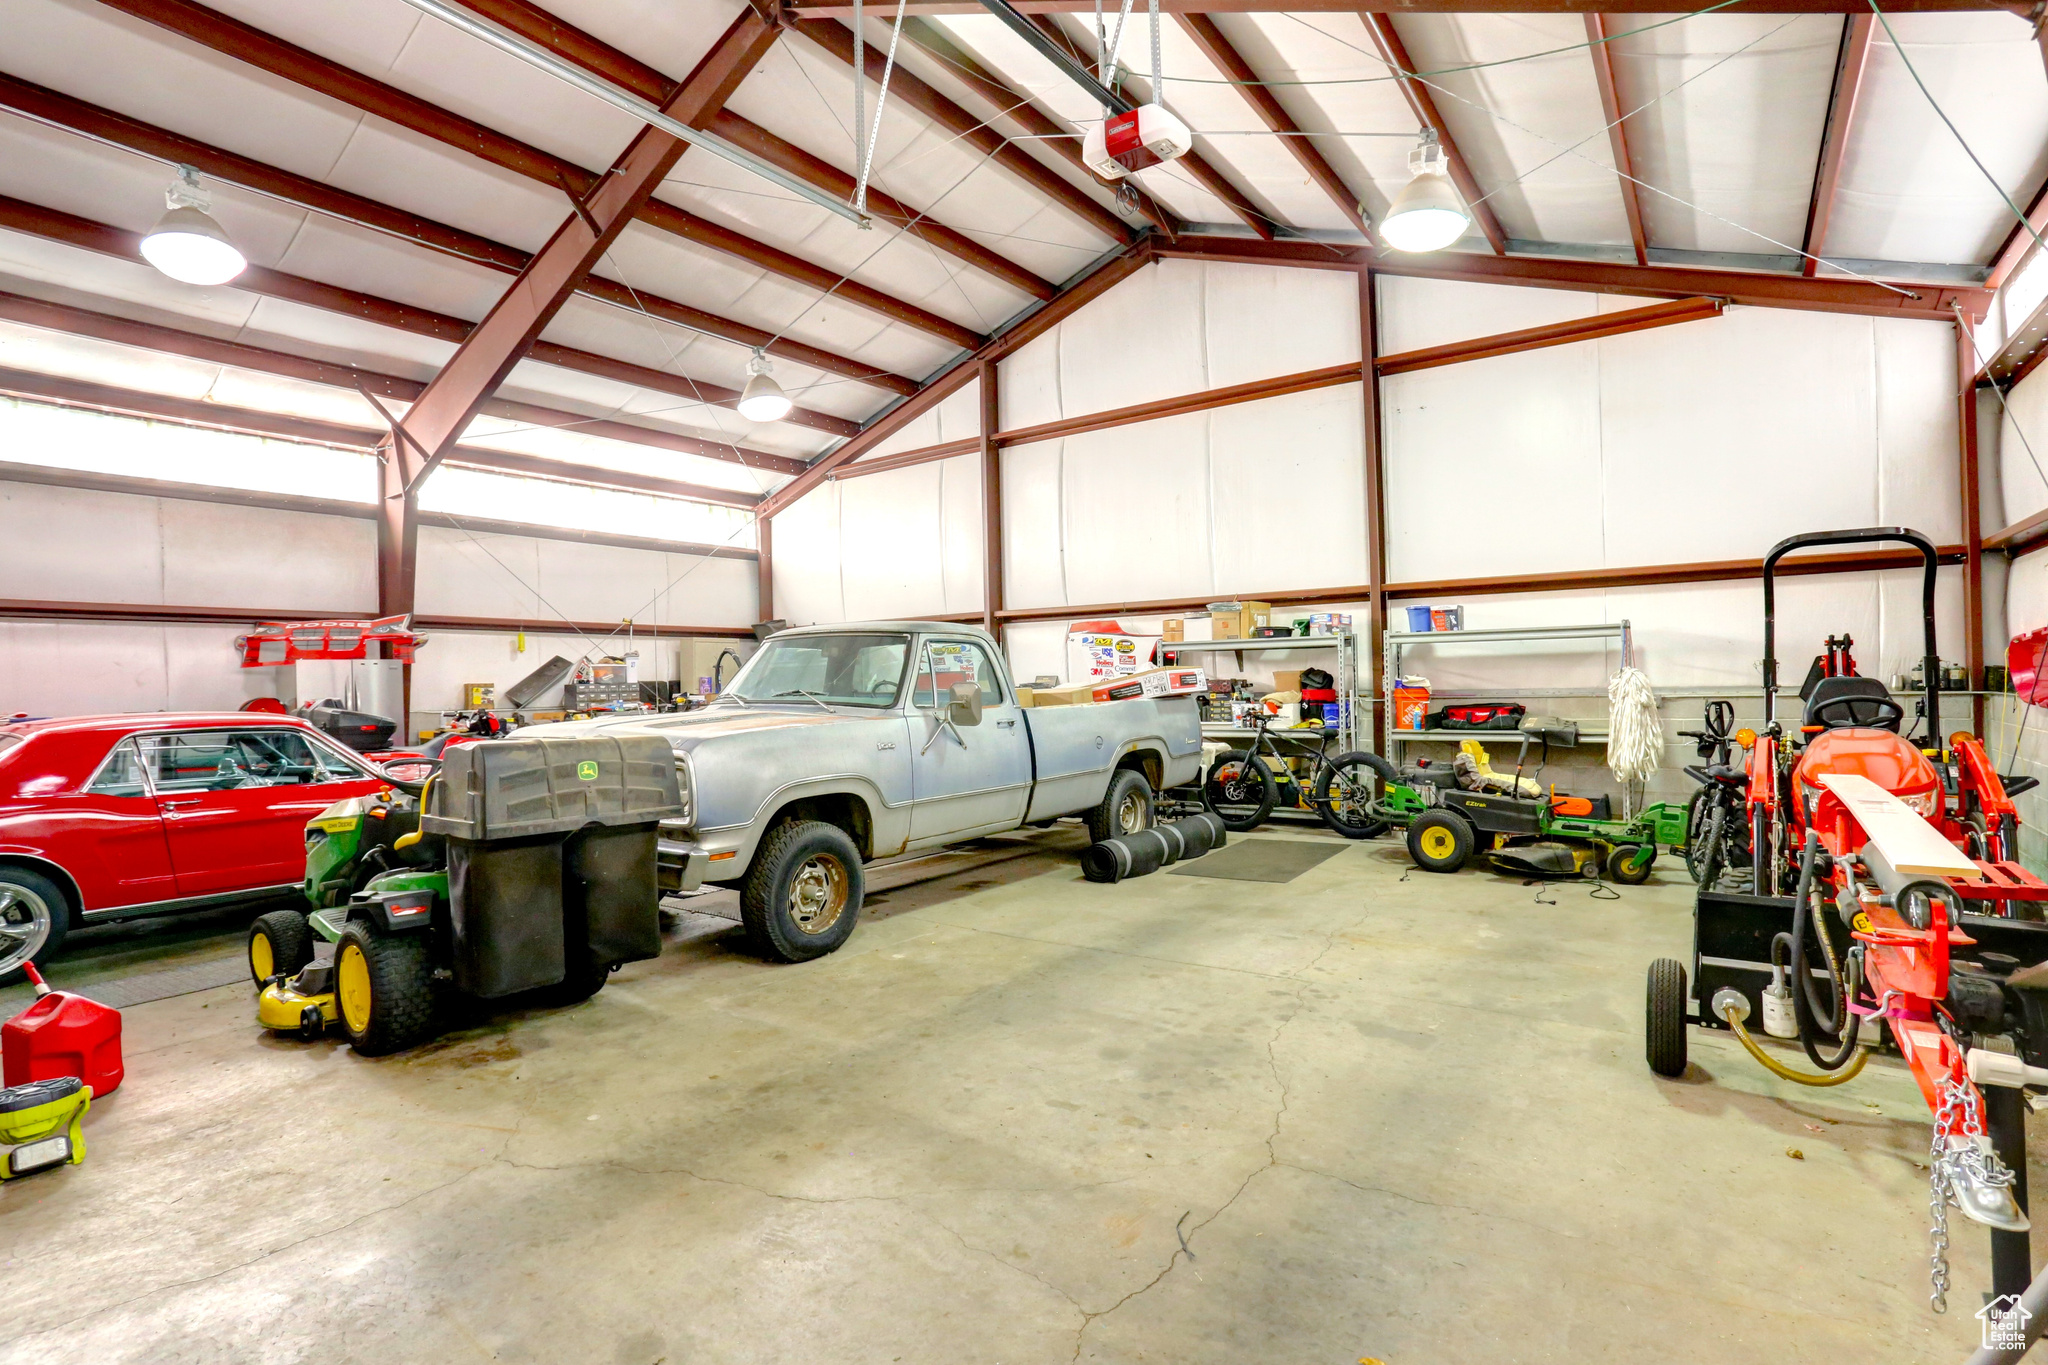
pixel 1370 1114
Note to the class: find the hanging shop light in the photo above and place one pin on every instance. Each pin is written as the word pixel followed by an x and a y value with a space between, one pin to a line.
pixel 763 399
pixel 1427 214
pixel 186 243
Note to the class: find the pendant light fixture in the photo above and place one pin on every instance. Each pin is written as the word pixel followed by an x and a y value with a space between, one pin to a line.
pixel 763 399
pixel 186 243
pixel 1427 214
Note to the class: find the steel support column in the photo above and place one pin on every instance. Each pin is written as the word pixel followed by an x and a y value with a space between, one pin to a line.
pixel 1973 526
pixel 1375 512
pixel 991 503
pixel 764 540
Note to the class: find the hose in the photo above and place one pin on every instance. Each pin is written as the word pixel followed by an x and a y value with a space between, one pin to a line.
pixel 1778 1068
pixel 1805 1009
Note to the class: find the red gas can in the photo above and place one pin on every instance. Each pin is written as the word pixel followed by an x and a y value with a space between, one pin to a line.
pixel 62 1035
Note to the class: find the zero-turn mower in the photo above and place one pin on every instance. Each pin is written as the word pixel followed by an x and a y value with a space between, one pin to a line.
pixel 1886 902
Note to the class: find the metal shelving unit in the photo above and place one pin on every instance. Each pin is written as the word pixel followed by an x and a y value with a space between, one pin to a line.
pixel 1395 641
pixel 1345 676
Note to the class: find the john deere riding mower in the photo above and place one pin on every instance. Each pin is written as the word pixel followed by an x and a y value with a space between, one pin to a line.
pixel 524 866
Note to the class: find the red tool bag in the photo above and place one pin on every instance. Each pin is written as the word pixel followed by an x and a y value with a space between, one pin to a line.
pixel 1479 716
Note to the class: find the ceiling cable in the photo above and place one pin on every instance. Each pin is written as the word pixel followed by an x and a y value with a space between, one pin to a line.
pixel 874 134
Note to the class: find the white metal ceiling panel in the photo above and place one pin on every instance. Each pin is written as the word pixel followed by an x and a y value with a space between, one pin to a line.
pixel 883 257
pixel 1514 122
pixel 1364 126
pixel 151 74
pixel 1908 191
pixel 396 166
pixel 671 36
pixel 1727 162
pixel 395 43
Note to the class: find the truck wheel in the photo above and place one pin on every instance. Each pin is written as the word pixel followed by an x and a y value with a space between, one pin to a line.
pixel 803 894
pixel 280 943
pixel 35 914
pixel 1439 841
pixel 1664 1018
pixel 1631 863
pixel 1240 790
pixel 1126 807
pixel 383 989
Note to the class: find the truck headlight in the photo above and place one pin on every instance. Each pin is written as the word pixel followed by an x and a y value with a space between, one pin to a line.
pixel 689 795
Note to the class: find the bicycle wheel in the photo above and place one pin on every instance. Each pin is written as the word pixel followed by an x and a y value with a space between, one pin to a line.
pixel 1346 791
pixel 1240 790
pixel 1697 811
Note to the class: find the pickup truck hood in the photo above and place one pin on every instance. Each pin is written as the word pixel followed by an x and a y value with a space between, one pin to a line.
pixel 690 728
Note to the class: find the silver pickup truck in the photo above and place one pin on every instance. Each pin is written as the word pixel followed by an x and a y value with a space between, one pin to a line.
pixel 838 745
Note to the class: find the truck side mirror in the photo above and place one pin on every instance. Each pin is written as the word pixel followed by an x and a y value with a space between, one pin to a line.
pixel 966 709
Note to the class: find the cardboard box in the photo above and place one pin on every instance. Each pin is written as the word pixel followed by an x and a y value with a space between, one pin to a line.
pixel 1174 628
pixel 1156 682
pixel 1287 680
pixel 1099 649
pixel 1240 623
pixel 1027 697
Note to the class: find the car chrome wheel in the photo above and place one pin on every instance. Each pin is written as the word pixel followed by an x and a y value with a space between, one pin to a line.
pixel 817 894
pixel 25 921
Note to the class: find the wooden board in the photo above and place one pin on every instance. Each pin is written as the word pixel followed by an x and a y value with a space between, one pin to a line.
pixel 1908 842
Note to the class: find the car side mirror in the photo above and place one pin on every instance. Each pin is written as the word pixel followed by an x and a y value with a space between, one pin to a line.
pixel 966 709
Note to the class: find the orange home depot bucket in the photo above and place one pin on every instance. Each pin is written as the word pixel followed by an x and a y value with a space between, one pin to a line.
pixel 1411 706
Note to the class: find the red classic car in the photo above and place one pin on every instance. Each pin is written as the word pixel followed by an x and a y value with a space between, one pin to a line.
pixel 120 817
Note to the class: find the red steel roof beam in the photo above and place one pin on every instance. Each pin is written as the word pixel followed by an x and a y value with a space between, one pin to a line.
pixel 1010 105
pixel 1849 68
pixel 1197 166
pixel 232 38
pixel 62 111
pixel 1395 53
pixel 1617 136
pixel 1227 59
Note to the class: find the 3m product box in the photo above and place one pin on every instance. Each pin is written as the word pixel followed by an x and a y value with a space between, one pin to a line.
pixel 1237 620
pixel 1157 682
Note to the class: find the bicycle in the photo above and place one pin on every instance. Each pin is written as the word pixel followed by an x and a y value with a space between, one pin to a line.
pixel 1241 789
pixel 1717 827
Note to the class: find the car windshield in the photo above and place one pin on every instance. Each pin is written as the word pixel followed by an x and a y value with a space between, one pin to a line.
pixel 838 670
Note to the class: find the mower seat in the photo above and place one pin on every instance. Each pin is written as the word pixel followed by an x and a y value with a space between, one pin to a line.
pixel 1833 689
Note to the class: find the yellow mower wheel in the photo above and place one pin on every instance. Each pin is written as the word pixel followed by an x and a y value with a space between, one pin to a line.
pixel 383 989
pixel 279 944
pixel 1439 841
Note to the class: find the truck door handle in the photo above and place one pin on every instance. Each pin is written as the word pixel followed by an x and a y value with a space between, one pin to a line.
pixel 1005 724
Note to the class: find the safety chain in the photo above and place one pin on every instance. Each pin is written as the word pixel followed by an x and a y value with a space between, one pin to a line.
pixel 1946 1165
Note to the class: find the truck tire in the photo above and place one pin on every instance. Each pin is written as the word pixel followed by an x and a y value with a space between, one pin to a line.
pixel 383 989
pixel 35 914
pixel 1664 1018
pixel 803 894
pixel 280 943
pixel 1126 807
pixel 1439 841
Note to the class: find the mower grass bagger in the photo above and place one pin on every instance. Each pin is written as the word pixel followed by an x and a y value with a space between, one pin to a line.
pixel 1520 833
pixel 525 865
pixel 1886 898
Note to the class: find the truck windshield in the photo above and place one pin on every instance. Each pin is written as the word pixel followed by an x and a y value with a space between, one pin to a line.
pixel 844 670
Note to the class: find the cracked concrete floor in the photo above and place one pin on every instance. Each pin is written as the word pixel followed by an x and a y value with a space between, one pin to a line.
pixel 1019 1119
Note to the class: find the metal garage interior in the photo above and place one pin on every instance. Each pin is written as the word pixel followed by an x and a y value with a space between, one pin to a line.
pixel 509 271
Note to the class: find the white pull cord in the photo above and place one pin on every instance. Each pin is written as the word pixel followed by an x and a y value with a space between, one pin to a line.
pixel 1158 81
